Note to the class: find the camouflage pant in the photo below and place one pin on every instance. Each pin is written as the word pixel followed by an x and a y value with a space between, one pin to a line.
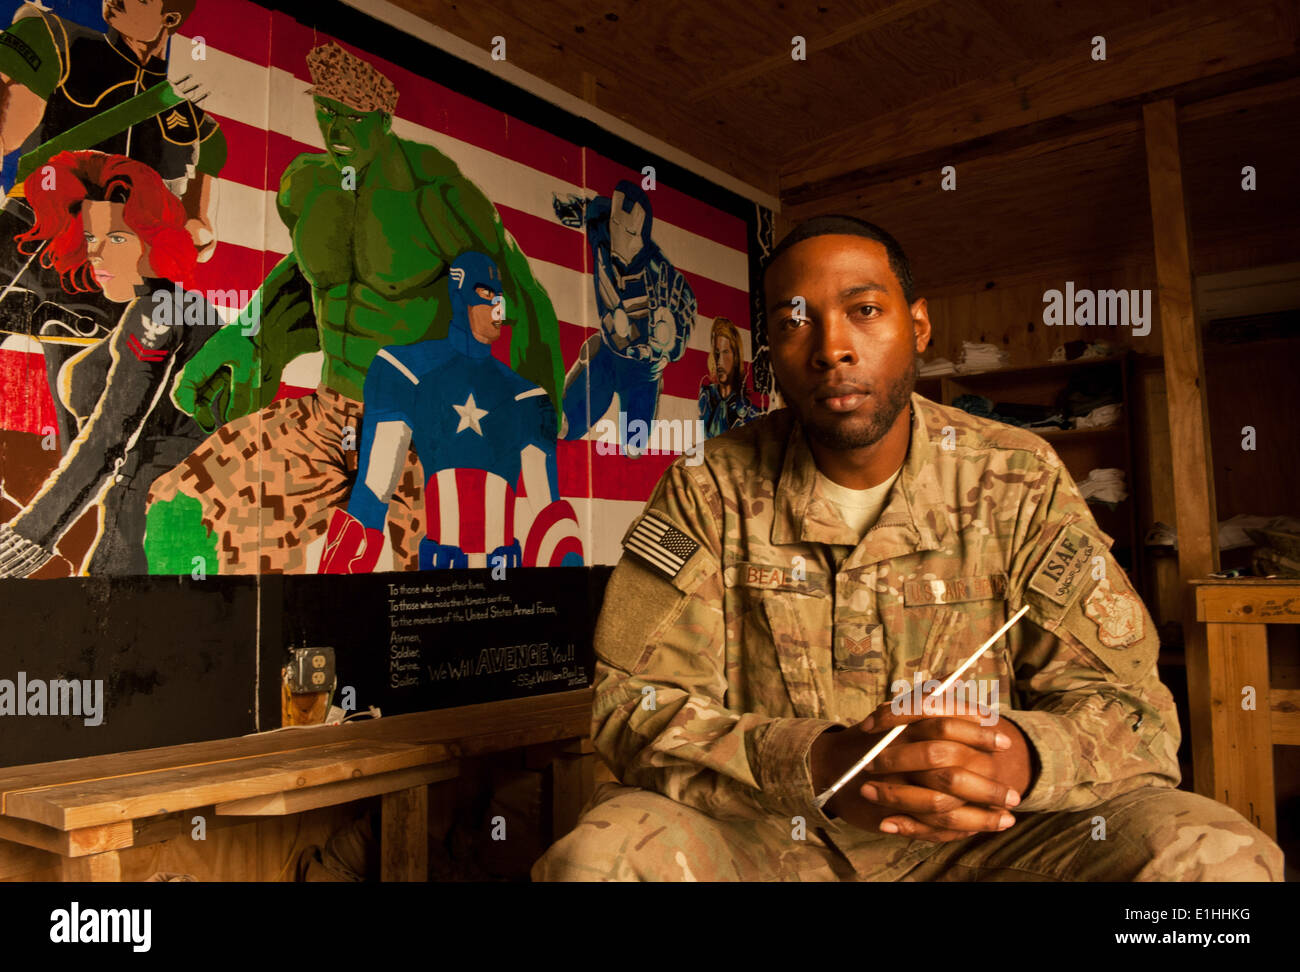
pixel 1151 834
pixel 269 481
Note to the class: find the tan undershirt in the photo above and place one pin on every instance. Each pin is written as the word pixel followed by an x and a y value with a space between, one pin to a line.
pixel 860 508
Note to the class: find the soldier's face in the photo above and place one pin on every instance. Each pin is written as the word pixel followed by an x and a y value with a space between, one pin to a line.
pixel 140 20
pixel 352 137
pixel 847 363
pixel 115 253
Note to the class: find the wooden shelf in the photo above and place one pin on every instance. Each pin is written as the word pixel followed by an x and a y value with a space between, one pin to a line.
pixel 1081 449
pixel 1050 369
pixel 1065 435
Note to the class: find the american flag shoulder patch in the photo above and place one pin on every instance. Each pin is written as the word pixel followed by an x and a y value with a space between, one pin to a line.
pixel 660 544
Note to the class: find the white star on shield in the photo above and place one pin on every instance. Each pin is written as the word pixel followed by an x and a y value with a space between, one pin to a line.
pixel 469 415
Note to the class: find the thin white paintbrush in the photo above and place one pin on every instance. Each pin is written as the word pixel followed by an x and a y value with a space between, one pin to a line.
pixel 879 747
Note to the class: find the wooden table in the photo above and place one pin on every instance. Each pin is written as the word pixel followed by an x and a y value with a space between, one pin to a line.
pixel 88 811
pixel 1236 613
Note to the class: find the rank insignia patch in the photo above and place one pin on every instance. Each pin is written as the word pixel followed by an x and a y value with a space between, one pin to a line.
pixel 1118 615
pixel 149 355
pixel 661 545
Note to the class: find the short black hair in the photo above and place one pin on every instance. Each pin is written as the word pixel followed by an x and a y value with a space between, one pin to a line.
pixel 837 224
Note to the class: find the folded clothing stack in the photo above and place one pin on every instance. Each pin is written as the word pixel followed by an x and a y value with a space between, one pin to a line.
pixel 1276 540
pixel 1012 413
pixel 1081 350
pixel 981 357
pixel 937 366
pixel 1277 551
pixel 1104 486
pixel 1101 417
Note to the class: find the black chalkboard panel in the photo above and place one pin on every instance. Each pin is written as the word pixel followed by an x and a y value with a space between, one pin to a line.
pixel 178 660
pixel 173 660
pixel 408 642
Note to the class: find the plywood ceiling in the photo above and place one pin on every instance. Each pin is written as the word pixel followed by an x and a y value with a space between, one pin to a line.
pixel 1047 141
pixel 884 80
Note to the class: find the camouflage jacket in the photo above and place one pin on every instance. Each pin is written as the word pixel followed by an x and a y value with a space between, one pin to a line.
pixel 745 618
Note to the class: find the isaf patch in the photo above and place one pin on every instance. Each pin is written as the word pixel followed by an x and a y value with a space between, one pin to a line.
pixel 1118 615
pixel 1065 566
pixel 661 545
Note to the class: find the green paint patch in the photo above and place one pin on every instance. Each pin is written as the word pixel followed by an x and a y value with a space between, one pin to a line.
pixel 176 541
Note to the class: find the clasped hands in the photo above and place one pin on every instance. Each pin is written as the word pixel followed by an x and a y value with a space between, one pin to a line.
pixel 944 778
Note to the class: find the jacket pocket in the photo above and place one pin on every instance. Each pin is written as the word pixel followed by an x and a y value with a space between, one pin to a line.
pixel 801 636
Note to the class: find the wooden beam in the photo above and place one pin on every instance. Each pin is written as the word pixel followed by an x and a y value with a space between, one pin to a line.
pixel 1243 99
pixel 1185 44
pixel 777 62
pixel 858 191
pixel 1195 512
pixel 1249 604
pixel 332 794
pixel 1222 94
pixel 68 843
pixel 106 867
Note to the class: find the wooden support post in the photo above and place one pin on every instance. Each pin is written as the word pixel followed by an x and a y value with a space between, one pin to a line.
pixel 1196 516
pixel 96 867
pixel 1243 739
pixel 572 783
pixel 404 847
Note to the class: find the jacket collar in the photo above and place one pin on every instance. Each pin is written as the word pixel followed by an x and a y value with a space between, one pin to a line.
pixel 915 517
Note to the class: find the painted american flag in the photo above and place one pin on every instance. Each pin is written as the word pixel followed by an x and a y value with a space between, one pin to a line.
pixel 256 67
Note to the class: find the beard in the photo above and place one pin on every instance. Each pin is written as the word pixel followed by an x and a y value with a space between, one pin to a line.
pixel 840 435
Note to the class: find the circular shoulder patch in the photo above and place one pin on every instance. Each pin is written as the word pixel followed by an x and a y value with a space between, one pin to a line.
pixel 1118 615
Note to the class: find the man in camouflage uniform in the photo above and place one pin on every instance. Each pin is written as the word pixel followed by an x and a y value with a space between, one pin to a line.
pixel 761 619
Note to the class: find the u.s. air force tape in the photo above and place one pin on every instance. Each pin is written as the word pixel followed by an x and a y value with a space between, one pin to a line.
pixel 661 545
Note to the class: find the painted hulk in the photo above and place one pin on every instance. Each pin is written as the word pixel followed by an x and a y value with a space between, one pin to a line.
pixel 376 221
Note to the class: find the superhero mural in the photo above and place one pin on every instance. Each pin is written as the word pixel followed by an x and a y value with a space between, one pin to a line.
pixel 399 301
pixel 725 402
pixel 99 135
pixel 478 428
pixel 376 222
pixel 646 310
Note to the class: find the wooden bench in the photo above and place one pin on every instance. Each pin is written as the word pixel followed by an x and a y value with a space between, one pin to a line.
pixel 89 811
pixel 1236 614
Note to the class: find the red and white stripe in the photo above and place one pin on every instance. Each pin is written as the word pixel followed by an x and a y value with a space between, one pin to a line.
pixel 471 509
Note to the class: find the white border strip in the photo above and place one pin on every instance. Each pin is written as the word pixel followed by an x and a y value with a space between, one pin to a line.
pixel 409 23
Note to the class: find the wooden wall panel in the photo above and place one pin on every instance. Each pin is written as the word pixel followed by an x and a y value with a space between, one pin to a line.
pixel 1011 317
pixel 1254 385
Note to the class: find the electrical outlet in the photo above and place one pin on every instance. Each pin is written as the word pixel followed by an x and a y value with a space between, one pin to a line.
pixel 310 670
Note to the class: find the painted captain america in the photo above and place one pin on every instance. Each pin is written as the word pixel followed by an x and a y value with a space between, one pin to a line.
pixel 646 307
pixel 480 431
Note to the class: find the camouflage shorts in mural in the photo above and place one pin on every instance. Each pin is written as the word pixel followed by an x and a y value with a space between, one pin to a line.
pixel 268 482
pixel 1147 834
